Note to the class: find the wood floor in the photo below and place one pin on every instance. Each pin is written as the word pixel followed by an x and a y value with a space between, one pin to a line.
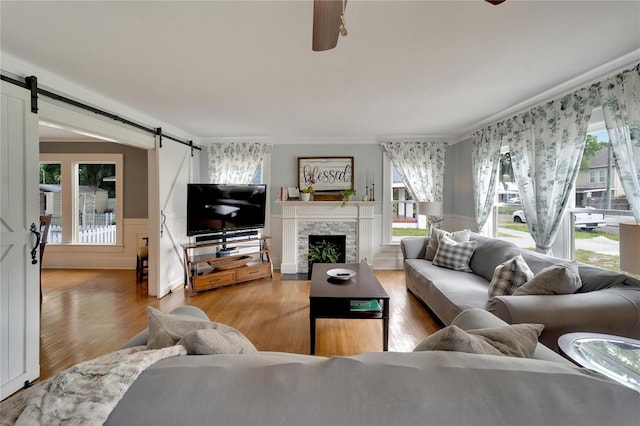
pixel 87 313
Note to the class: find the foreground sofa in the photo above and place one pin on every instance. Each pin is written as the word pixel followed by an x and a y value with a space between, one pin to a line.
pixel 608 302
pixel 383 388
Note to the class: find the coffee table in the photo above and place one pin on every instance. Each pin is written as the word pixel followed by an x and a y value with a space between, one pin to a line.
pixel 360 297
pixel 614 356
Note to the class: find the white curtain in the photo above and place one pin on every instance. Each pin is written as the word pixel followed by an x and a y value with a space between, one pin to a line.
pixel 421 166
pixel 546 146
pixel 485 160
pixel 620 98
pixel 235 162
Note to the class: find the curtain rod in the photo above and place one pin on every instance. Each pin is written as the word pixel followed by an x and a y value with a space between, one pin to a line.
pixel 52 95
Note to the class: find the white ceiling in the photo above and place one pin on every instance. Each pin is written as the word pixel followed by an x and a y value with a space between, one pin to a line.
pixel 246 68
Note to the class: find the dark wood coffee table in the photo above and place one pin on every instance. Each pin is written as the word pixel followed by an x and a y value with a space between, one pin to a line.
pixel 360 297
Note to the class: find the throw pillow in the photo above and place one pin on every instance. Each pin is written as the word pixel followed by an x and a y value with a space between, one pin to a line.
pixel 454 255
pixel 168 329
pixel 453 338
pixel 518 340
pixel 216 341
pixel 436 234
pixel 508 276
pixel 555 279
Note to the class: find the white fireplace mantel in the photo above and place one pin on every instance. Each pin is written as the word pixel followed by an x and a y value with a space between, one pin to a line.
pixel 295 212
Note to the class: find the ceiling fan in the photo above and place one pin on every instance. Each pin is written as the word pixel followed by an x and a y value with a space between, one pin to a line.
pixel 328 22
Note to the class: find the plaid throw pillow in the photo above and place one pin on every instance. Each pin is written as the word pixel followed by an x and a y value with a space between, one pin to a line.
pixel 508 276
pixel 454 255
pixel 436 234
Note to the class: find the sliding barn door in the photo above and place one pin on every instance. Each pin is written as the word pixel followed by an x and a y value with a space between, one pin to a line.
pixel 20 296
pixel 173 162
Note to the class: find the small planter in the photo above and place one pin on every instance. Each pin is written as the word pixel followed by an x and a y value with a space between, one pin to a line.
pixel 305 196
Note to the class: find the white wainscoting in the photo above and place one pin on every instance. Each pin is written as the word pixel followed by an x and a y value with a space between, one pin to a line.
pixel 83 256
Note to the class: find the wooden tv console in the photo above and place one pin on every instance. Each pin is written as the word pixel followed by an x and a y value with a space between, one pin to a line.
pixel 208 266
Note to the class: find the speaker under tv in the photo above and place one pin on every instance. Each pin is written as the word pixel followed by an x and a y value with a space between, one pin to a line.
pixel 225 209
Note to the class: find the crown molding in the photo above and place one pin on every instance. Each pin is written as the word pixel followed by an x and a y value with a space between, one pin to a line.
pixel 588 78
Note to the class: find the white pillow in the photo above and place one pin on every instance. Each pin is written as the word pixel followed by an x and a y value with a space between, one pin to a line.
pixel 508 276
pixel 454 255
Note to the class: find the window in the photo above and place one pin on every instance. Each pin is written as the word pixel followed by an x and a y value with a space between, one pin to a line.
pixel 83 193
pixel 400 210
pixel 592 226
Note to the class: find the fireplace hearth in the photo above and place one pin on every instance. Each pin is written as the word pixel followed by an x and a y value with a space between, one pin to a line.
pixel 326 249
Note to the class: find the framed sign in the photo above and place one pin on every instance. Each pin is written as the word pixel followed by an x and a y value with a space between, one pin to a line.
pixel 325 173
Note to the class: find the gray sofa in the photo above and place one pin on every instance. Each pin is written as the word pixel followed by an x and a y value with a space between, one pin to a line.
pixel 378 388
pixel 608 302
pixel 421 388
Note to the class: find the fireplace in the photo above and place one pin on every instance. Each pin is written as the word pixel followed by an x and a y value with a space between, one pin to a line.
pixel 303 219
pixel 326 249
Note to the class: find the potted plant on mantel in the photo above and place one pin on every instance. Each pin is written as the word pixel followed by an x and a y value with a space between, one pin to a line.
pixel 322 252
pixel 347 194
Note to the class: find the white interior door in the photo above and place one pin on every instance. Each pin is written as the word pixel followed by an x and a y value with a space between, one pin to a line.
pixel 173 165
pixel 20 282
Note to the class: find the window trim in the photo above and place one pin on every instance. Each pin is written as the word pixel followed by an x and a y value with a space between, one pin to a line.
pixel 68 166
pixel 387 194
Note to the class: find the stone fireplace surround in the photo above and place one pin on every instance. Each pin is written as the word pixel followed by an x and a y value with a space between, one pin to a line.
pixel 301 219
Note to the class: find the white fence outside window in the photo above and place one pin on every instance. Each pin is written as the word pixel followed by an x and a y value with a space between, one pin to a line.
pixel 94 228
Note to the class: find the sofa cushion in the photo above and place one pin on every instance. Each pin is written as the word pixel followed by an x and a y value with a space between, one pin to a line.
pixel 538 261
pixel 594 278
pixel 518 340
pixel 168 329
pixel 436 234
pixel 508 276
pixel 454 255
pixel 489 253
pixel 555 279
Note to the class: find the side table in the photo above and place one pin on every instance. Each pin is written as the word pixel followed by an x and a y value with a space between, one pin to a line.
pixel 614 356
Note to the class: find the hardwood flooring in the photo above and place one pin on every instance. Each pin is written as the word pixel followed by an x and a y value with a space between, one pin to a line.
pixel 87 313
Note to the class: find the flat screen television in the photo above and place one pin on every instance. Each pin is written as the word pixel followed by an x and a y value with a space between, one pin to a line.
pixel 215 208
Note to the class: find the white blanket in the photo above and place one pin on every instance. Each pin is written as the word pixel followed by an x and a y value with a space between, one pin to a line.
pixel 85 393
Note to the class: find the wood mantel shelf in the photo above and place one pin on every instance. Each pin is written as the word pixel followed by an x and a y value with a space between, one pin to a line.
pixel 324 203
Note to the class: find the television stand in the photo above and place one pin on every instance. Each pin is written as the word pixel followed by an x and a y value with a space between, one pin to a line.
pixel 207 268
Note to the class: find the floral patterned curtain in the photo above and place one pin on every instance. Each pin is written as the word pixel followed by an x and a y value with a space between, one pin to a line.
pixel 485 160
pixel 546 147
pixel 235 162
pixel 620 98
pixel 421 166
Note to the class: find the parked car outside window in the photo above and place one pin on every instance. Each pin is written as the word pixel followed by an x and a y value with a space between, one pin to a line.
pixel 586 221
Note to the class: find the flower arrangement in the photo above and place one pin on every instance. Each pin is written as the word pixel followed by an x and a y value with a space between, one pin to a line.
pixel 309 189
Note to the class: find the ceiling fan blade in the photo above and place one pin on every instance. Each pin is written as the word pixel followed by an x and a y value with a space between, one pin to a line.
pixel 495 2
pixel 326 24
